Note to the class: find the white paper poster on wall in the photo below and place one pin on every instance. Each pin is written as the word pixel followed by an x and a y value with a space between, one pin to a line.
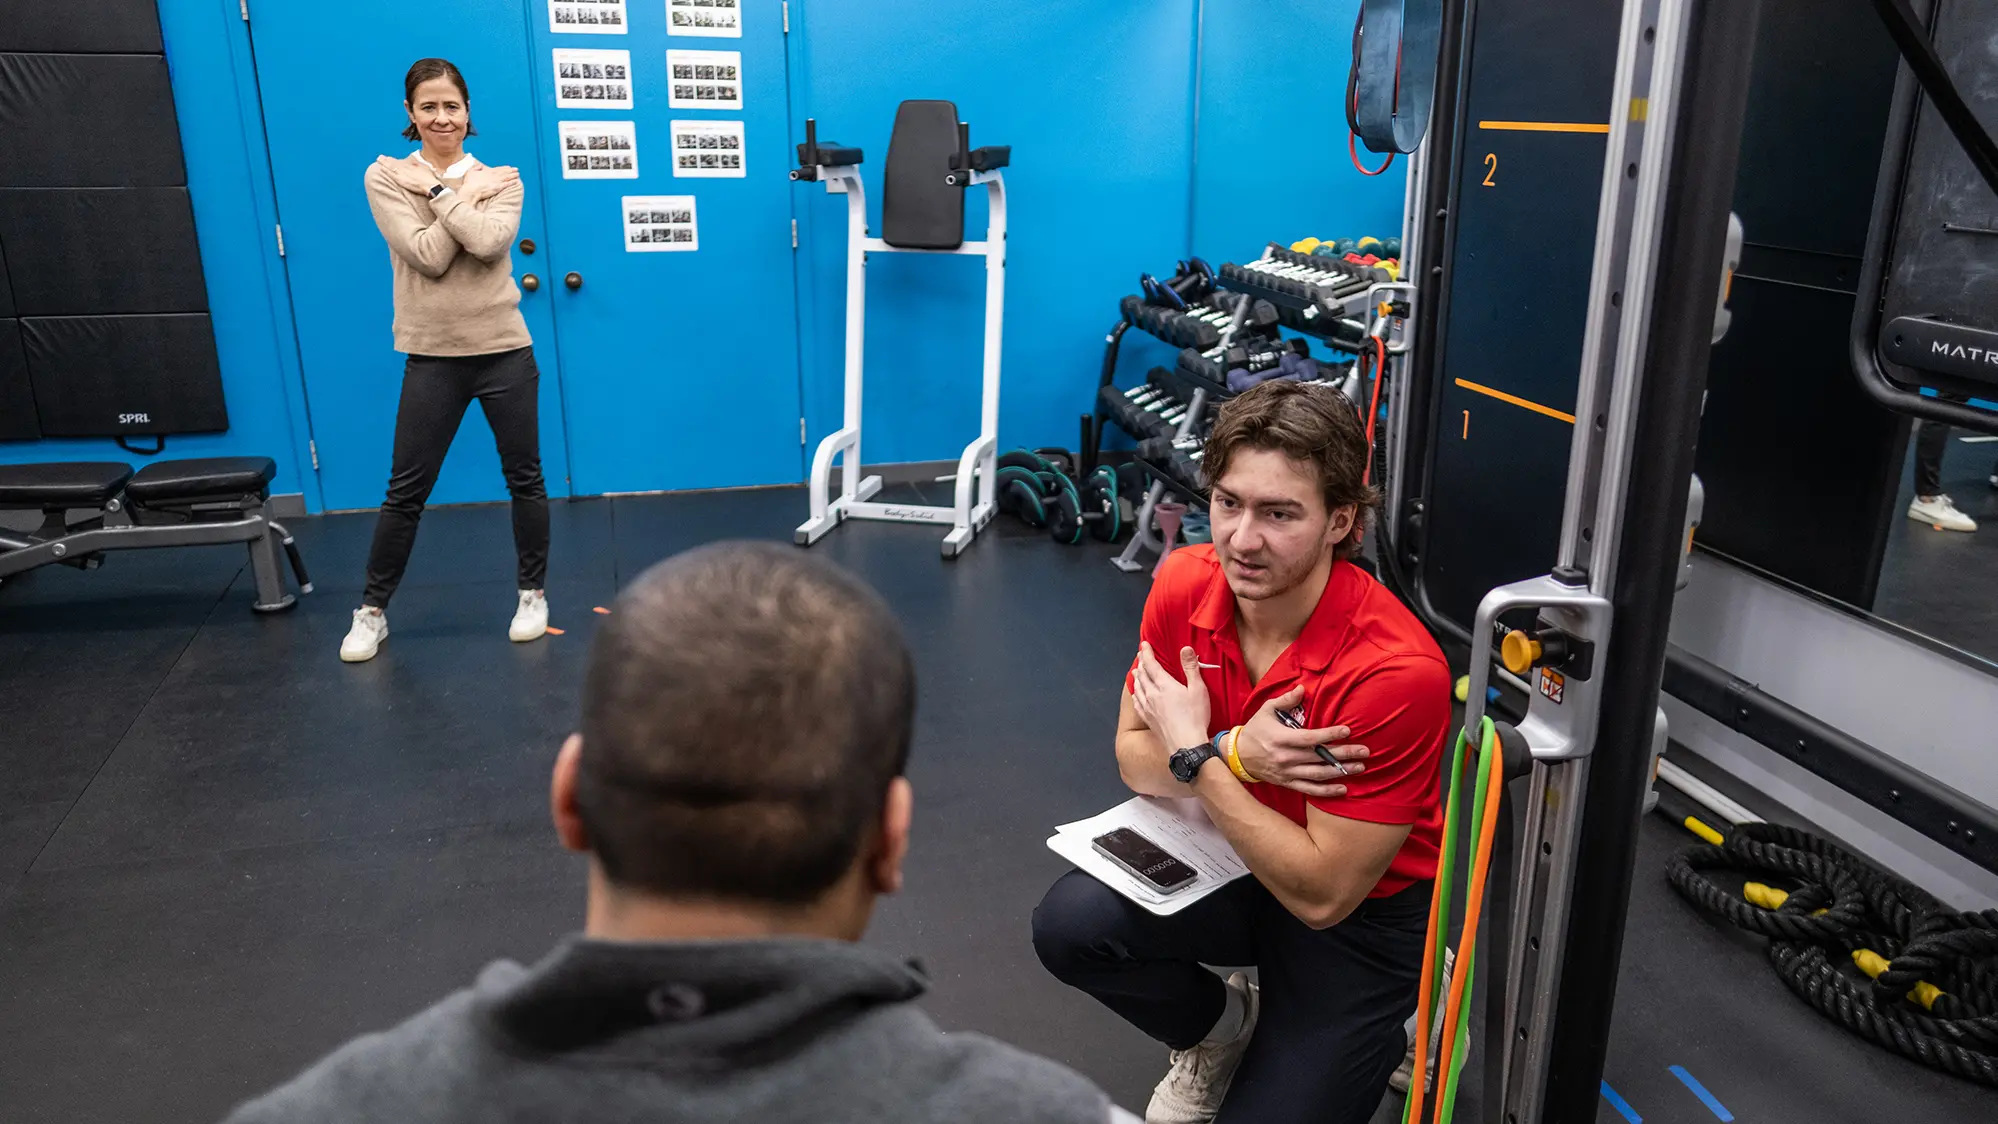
pixel 721 19
pixel 705 79
pixel 599 150
pixel 592 79
pixel 707 149
pixel 587 17
pixel 660 223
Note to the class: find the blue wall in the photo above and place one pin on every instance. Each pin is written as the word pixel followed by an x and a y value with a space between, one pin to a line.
pixel 1272 159
pixel 1142 130
pixel 215 96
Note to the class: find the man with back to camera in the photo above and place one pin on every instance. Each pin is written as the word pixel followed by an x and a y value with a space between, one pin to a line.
pixel 738 787
pixel 1271 617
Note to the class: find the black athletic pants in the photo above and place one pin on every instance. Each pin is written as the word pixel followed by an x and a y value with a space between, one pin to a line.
pixel 1333 1000
pixel 435 392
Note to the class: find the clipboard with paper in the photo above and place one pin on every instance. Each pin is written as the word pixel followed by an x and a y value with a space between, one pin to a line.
pixel 1178 826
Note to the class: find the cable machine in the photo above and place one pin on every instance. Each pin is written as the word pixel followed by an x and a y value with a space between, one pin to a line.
pixel 1590 635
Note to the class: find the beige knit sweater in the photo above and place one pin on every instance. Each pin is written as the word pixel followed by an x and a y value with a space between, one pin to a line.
pixel 453 263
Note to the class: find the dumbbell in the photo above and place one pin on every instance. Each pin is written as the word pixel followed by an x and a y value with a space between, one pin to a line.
pixel 1024 493
pixel 1160 293
pixel 1096 507
pixel 1146 396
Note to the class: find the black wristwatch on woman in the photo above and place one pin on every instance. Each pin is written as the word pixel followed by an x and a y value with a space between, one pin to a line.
pixel 436 190
pixel 1186 763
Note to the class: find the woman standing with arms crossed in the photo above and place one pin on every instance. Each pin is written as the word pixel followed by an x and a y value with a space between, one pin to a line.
pixel 449 222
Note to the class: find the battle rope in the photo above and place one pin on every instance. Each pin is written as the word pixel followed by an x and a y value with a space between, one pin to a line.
pixel 1933 992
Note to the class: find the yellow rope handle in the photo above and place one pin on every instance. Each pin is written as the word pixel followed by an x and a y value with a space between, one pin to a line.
pixel 1872 963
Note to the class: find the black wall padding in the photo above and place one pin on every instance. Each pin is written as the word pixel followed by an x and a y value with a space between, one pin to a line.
pixel 17 397
pixel 115 375
pixel 6 290
pixel 88 121
pixel 72 252
pixel 919 209
pixel 83 26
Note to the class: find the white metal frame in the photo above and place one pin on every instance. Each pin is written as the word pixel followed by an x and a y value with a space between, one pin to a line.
pixel 973 504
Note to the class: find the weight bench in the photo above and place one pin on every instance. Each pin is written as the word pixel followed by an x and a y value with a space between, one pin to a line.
pixel 198 502
pixel 930 163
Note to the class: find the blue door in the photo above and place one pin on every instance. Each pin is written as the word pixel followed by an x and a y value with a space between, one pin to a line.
pixel 669 206
pixel 331 79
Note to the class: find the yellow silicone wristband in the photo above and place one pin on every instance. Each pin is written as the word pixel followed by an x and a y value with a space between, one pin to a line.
pixel 1235 761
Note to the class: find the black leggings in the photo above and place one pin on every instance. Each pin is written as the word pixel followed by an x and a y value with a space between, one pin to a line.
pixel 435 392
pixel 1333 1000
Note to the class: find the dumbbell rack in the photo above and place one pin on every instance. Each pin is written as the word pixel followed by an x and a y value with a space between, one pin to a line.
pixel 1142 538
pixel 1329 298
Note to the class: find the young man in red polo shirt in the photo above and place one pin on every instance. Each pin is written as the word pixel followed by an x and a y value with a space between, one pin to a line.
pixel 1270 618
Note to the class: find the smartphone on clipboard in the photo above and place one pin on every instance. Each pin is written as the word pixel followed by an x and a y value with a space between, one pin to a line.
pixel 1146 860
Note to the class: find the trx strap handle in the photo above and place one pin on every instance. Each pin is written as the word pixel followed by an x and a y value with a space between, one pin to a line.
pixel 1393 82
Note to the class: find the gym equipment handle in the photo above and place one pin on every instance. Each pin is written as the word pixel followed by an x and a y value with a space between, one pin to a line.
pixel 530 282
pixel 574 280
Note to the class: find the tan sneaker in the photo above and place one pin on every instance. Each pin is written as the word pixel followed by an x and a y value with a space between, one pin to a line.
pixel 1198 1081
pixel 1405 1073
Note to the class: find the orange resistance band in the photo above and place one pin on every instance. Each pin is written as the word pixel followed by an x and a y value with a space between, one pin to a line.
pixel 1417 1087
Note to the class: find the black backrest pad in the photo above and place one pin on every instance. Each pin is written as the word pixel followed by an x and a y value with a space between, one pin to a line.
pixel 17 397
pixel 117 375
pixel 129 27
pixel 75 251
pixel 919 209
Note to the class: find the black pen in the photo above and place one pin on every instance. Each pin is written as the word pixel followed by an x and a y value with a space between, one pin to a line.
pixel 1294 718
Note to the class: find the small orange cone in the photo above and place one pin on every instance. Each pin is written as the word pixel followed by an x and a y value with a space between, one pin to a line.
pixel 553 631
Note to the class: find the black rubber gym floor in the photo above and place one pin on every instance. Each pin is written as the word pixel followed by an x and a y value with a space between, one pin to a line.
pixel 222 852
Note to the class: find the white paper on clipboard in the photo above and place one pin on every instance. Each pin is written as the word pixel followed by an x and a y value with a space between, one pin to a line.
pixel 1179 826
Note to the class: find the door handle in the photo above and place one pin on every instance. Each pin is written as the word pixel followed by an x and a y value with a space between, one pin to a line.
pixel 574 280
pixel 527 245
pixel 530 282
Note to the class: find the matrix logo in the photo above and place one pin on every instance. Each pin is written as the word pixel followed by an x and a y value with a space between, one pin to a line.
pixel 135 419
pixel 1958 351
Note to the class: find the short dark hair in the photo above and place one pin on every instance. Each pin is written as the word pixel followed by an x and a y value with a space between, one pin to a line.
pixel 746 707
pixel 423 70
pixel 1311 423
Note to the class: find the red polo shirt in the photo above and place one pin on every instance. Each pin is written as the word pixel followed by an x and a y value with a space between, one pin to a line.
pixel 1365 662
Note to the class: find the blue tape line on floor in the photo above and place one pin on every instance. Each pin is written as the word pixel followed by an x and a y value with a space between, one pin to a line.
pixel 1621 1105
pixel 1712 1102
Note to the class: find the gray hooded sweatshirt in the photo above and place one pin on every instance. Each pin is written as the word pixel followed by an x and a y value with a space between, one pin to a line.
pixel 758 1032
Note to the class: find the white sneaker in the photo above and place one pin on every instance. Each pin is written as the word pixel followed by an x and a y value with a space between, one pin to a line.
pixel 1198 1081
pixel 530 621
pixel 1940 512
pixel 365 638
pixel 1405 1073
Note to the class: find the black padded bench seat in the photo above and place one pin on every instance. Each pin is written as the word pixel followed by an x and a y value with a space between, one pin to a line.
pixel 200 501
pixel 202 477
pixel 39 487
